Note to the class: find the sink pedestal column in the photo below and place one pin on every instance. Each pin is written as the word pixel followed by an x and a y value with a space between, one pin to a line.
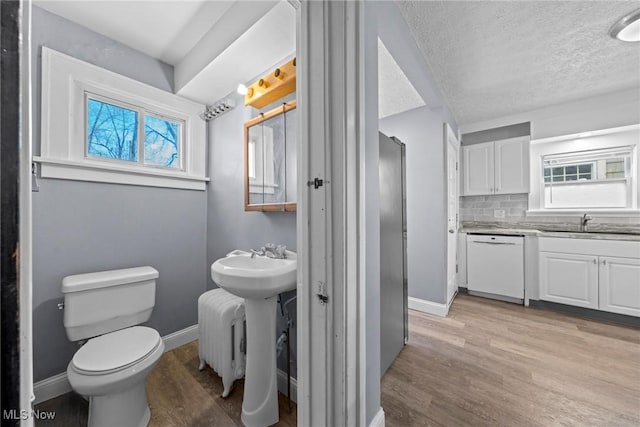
pixel 260 400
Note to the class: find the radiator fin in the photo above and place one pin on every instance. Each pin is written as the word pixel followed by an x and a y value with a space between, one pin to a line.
pixel 221 325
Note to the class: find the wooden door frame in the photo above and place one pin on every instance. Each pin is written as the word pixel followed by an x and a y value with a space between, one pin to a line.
pixel 332 364
pixel 448 135
pixel 15 165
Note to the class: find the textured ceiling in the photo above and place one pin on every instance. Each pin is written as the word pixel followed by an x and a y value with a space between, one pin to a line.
pixel 395 92
pixel 496 58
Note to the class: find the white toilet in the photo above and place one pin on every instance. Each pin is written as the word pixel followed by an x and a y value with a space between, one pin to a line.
pixel 110 369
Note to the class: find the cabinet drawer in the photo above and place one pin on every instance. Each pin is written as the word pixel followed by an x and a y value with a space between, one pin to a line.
pixel 598 247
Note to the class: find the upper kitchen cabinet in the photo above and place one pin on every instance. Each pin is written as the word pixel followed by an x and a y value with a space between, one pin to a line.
pixel 500 167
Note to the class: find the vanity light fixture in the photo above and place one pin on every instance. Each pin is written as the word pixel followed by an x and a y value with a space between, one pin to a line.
pixel 216 109
pixel 627 28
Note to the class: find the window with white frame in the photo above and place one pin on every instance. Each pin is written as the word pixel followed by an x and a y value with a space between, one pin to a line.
pixel 588 179
pixel 116 131
pixel 100 126
pixel 577 173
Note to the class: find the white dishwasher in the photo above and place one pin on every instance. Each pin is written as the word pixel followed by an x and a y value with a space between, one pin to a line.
pixel 495 266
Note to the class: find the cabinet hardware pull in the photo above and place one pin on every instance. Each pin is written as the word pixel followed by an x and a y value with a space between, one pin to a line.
pixel 604 262
pixel 595 260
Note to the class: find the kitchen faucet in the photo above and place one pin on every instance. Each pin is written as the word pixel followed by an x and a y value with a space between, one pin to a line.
pixel 583 223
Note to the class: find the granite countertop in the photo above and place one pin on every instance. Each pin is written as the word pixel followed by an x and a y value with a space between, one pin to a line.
pixel 601 232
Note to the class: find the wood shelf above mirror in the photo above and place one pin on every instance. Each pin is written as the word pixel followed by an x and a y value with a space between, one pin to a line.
pixel 273 86
pixel 270 166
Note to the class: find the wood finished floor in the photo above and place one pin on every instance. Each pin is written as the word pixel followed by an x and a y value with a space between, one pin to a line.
pixel 179 395
pixel 498 364
pixel 489 363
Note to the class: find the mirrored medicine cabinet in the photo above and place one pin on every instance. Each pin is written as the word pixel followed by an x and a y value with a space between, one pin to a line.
pixel 270 160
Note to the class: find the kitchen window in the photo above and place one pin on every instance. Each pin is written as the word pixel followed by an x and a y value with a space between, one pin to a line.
pixel 588 179
pixel 100 126
pixel 586 173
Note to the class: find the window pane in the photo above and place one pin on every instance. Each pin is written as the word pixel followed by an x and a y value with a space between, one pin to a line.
pixel 112 131
pixel 547 172
pixel 585 168
pixel 558 171
pixel 161 142
pixel 586 176
pixel 571 170
pixel 571 177
pixel 558 178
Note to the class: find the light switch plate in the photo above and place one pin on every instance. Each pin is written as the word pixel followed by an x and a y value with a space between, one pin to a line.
pixel 498 213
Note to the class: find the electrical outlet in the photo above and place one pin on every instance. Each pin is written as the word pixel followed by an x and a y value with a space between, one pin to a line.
pixel 498 213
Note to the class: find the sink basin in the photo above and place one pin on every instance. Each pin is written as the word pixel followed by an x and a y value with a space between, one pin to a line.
pixel 258 280
pixel 257 277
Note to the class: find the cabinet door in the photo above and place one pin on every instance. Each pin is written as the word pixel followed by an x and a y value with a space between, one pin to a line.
pixel 478 169
pixel 620 285
pixel 569 279
pixel 512 166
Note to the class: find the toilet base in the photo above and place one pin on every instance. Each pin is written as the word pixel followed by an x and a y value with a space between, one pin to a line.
pixel 126 408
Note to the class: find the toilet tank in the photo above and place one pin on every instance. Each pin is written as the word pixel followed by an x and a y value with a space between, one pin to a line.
pixel 102 302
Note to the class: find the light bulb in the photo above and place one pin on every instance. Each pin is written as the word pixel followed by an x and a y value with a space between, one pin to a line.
pixel 242 89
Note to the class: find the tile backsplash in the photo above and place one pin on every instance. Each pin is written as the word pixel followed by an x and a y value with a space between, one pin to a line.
pixel 483 209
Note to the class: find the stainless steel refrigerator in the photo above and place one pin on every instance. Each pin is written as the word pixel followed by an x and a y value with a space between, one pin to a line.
pixel 393 251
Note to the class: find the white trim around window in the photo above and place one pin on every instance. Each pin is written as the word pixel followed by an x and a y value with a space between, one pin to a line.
pixel 627 136
pixel 66 81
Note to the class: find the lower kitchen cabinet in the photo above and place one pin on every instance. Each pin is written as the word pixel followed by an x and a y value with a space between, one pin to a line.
pixel 597 274
pixel 619 281
pixel 569 279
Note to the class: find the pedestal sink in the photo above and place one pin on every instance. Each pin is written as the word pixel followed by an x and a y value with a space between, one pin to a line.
pixel 258 279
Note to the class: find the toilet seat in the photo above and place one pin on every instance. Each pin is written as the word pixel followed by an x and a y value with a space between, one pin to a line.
pixel 116 351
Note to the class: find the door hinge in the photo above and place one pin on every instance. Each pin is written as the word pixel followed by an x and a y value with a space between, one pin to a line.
pixel 456 165
pixel 316 183
pixel 456 268
pixel 322 293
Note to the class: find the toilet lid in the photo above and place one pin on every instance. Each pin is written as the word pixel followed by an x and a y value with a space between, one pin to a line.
pixel 116 349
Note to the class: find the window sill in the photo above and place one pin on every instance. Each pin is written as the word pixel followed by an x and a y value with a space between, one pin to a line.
pixel 577 212
pixel 117 174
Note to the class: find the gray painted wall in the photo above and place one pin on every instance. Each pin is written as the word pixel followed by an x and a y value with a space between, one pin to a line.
pixel 421 130
pixel 80 227
pixel 228 225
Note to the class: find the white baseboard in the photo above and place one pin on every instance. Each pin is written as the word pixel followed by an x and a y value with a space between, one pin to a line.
pixel 51 387
pixel 378 420
pixel 282 385
pixel 180 338
pixel 428 307
pixel 58 384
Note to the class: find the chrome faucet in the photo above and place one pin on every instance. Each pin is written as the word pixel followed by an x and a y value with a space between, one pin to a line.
pixel 259 253
pixel 271 251
pixel 583 223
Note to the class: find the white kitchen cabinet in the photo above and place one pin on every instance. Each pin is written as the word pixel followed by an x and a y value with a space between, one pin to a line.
pixel 591 273
pixel 619 280
pixel 478 169
pixel 569 279
pixel 511 166
pixel 500 167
